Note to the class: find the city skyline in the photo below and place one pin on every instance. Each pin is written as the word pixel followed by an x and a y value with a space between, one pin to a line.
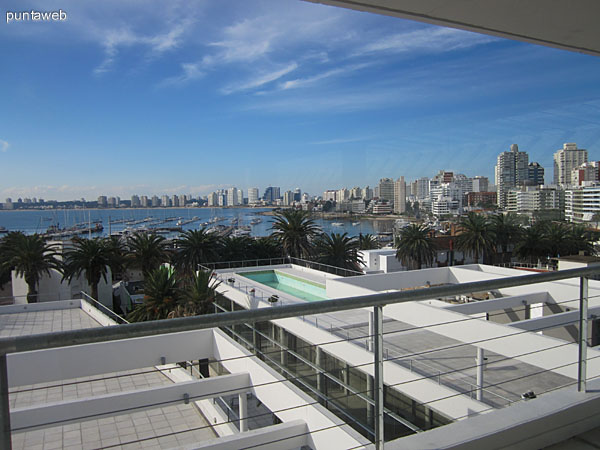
pixel 199 96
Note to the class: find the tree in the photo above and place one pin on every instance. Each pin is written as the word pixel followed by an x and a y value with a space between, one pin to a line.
pixel 147 251
pixel 90 257
pixel 367 242
pixel 236 248
pixel 196 247
pixel 476 237
pixel 31 257
pixel 339 250
pixel 161 296
pixel 265 248
pixel 294 230
pixel 199 296
pixel 117 256
pixel 532 244
pixel 506 230
pixel 415 247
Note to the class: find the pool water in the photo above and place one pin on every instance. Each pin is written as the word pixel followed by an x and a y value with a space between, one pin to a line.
pixel 298 287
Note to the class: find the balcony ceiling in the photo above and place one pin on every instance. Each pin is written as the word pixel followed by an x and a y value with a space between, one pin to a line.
pixel 565 24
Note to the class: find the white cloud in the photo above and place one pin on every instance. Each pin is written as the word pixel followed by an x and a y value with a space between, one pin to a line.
pixel 4 146
pixel 301 82
pixel 117 39
pixel 260 80
pixel 435 39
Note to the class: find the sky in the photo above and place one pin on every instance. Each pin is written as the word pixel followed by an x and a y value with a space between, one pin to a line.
pixel 188 96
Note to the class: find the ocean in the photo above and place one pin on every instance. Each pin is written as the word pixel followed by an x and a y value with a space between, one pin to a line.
pixel 34 221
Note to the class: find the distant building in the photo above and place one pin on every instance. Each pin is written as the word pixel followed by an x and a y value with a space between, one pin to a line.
pixel 288 198
pixel 232 197
pixel 481 198
pixel 240 196
pixel 537 202
pixel 386 190
pixel 330 196
pixel 586 172
pixel 175 201
pixel 272 193
pixel 112 202
pixel 481 184
pixel 253 196
pixel 182 200
pixel 400 196
pixel 135 201
pixel 212 199
pixel 356 206
pixel 535 174
pixel 144 201
pixel 155 201
pixel 165 202
pixel 511 170
pixel 382 207
pixel 422 188
pixel 367 193
pixel 297 194
pixel 102 201
pixel 582 204
pixel 565 160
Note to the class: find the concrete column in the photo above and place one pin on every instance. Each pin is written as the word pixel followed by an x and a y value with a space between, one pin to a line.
pixel 5 435
pixel 283 342
pixel 243 411
pixel 480 361
pixel 583 332
pixel 370 339
pixel 318 364
pixel 378 379
pixel 527 310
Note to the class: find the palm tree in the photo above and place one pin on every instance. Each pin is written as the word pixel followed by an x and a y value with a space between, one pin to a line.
pixel 265 248
pixel 31 257
pixel 367 242
pixel 90 257
pixel 506 230
pixel 117 256
pixel 199 296
pixel 160 296
pixel 580 239
pixel 196 247
pixel 294 230
pixel 415 246
pixel 476 237
pixel 236 248
pixel 532 244
pixel 339 250
pixel 147 251
pixel 555 236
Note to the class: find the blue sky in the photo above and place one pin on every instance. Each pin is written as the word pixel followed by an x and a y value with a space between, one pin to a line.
pixel 154 97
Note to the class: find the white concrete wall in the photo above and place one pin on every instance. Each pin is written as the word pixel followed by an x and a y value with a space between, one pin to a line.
pixel 53 288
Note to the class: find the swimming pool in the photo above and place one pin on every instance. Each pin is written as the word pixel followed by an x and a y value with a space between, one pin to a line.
pixel 298 287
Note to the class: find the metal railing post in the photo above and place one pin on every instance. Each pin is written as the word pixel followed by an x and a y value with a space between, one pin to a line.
pixel 5 438
pixel 583 313
pixel 378 378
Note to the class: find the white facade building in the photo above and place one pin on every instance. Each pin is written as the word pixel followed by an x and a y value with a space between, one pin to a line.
pixel 253 195
pixel 400 196
pixel 565 160
pixel 512 169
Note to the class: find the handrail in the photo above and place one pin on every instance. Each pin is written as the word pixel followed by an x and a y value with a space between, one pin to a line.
pixel 16 344
pixel 104 308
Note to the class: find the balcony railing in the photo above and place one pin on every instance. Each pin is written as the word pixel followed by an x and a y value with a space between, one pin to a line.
pixel 376 302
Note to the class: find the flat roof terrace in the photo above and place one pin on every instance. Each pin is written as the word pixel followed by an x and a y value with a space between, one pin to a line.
pixel 157 428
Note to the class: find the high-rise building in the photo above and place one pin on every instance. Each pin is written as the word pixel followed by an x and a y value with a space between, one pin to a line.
pixel 212 199
pixel 480 184
pixel 297 194
pixel 367 193
pixel 386 189
pixel 400 196
pixel 102 201
pixel 144 201
pixel 165 202
pixel 343 195
pixel 422 188
pixel 271 194
pixel 582 204
pixel 240 196
pixel 232 197
pixel 155 201
pixel 535 173
pixel 112 202
pixel 512 169
pixel 330 196
pixel 175 201
pixel 288 198
pixel 252 196
pixel 565 160
pixel 356 192
pixel 135 201
pixel 182 200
